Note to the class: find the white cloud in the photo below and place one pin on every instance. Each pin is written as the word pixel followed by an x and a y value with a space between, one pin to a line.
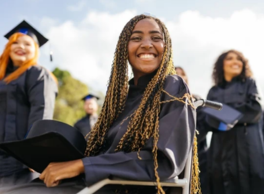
pixel 78 7
pixel 198 40
pixel 87 48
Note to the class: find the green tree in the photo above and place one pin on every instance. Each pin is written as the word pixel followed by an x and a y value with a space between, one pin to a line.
pixel 68 106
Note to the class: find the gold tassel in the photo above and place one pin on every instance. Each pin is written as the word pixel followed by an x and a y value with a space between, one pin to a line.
pixel 195 180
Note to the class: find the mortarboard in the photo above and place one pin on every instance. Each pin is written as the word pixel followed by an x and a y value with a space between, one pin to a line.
pixel 89 96
pixel 27 29
pixel 223 119
pixel 47 141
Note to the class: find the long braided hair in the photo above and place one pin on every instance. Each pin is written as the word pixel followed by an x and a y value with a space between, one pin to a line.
pixel 144 122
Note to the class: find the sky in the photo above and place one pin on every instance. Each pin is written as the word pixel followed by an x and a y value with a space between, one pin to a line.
pixel 83 33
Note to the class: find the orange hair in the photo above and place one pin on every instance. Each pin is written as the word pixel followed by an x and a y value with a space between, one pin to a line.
pixel 4 60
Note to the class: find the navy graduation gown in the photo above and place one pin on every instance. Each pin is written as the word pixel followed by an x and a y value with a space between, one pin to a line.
pixel 177 126
pixel 83 125
pixel 236 156
pixel 23 101
pixel 176 131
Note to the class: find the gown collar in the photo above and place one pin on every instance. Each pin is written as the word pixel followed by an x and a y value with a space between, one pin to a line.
pixel 138 90
pixel 143 80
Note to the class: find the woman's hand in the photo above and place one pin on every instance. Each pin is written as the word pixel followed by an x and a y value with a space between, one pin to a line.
pixel 57 171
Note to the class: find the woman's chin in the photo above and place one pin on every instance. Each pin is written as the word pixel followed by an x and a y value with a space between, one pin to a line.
pixel 18 61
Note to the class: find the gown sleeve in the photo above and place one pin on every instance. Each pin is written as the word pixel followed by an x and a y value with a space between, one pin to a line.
pixel 41 91
pixel 251 107
pixel 201 125
pixel 177 126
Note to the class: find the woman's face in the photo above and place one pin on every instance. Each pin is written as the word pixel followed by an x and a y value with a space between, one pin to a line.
pixel 180 73
pixel 145 47
pixel 22 50
pixel 233 65
pixel 90 106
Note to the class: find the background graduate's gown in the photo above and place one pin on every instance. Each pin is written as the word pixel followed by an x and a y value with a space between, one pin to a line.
pixel 236 156
pixel 83 125
pixel 27 99
pixel 176 131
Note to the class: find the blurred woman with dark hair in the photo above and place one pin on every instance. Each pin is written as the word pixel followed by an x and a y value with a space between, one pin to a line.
pixel 236 156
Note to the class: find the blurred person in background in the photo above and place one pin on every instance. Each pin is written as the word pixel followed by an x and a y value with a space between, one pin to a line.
pixel 85 124
pixel 27 93
pixel 180 71
pixel 202 143
pixel 236 155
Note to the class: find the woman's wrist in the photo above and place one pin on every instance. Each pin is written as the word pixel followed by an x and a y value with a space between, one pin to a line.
pixel 81 166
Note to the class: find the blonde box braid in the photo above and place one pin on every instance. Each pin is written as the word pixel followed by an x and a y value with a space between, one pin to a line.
pixel 144 123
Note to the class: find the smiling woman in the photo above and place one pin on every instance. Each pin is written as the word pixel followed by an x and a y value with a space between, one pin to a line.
pixel 142 133
pixel 27 93
pixel 236 156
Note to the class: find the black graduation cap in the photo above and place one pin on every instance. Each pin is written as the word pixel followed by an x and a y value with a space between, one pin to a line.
pixel 223 119
pixel 27 29
pixel 89 96
pixel 48 141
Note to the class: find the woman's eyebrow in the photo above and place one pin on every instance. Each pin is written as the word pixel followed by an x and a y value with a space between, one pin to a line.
pixel 137 31
pixel 154 32
pixel 151 32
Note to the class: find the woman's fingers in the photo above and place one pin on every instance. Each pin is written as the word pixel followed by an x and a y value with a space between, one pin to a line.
pixel 50 179
pixel 61 170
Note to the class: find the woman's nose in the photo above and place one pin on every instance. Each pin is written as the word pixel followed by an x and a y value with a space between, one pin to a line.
pixel 21 45
pixel 147 44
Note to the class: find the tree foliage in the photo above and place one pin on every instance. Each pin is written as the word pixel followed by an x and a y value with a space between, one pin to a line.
pixel 69 106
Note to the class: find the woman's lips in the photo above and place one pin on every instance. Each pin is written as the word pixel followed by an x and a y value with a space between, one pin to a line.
pixel 20 53
pixel 146 57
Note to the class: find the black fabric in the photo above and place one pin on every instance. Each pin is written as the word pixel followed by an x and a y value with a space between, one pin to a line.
pixel 29 98
pixel 22 177
pixel 236 156
pixel 202 150
pixel 25 28
pixel 83 125
pixel 48 141
pixel 69 186
pixel 176 131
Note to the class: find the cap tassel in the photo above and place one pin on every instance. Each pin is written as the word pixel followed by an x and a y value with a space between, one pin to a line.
pixel 51 57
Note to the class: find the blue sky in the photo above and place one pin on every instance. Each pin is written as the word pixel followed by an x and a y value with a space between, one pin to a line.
pixel 83 33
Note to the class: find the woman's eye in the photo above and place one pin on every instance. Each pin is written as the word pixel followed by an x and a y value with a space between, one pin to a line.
pixel 136 38
pixel 157 38
pixel 15 42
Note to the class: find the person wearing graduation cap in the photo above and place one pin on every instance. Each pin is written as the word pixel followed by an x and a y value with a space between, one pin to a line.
pixel 85 124
pixel 27 93
pixel 236 155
